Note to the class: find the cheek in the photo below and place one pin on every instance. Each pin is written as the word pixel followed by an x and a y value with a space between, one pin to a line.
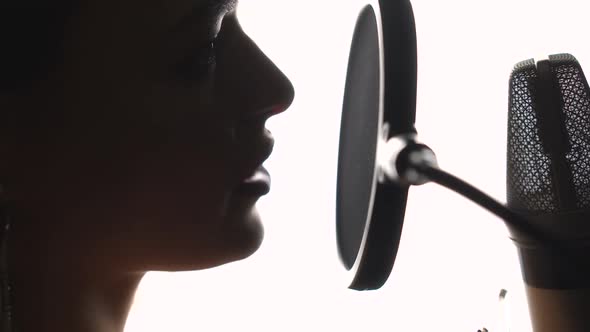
pixel 186 160
pixel 166 157
pixel 172 143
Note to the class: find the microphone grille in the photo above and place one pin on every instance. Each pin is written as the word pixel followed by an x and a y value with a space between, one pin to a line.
pixel 549 136
pixel 529 168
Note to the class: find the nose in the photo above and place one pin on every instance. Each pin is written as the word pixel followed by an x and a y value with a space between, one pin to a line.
pixel 251 84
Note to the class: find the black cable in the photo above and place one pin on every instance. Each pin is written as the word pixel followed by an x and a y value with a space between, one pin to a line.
pixel 477 196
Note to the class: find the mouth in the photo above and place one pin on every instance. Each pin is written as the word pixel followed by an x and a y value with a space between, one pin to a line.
pixel 254 145
pixel 258 184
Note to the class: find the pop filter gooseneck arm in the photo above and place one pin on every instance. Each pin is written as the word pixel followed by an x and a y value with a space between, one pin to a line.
pixel 413 163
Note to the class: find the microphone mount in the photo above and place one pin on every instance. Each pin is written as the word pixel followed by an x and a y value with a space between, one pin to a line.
pixel 402 160
pixel 396 157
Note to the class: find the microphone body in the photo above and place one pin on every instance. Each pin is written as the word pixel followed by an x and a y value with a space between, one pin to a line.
pixel 548 182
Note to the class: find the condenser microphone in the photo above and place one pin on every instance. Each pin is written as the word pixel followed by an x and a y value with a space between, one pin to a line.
pixel 548 182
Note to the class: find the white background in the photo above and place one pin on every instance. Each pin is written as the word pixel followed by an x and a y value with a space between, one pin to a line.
pixel 454 257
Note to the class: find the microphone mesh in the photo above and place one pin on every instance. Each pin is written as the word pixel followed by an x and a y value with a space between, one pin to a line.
pixel 576 107
pixel 529 167
pixel 536 178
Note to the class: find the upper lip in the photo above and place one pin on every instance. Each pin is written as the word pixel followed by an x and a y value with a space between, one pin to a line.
pixel 259 116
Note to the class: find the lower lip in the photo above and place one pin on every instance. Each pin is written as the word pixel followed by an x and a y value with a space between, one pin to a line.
pixel 256 185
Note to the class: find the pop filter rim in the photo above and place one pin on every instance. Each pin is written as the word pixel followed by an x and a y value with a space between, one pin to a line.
pixel 397 105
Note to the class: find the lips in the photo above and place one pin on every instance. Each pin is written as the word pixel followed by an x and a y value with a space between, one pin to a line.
pixel 254 145
pixel 257 184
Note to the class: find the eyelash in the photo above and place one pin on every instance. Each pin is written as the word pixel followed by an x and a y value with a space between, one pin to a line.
pixel 199 64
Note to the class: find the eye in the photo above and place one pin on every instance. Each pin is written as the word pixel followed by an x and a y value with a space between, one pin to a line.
pixel 199 64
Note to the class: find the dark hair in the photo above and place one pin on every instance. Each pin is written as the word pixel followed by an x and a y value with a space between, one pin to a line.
pixel 31 41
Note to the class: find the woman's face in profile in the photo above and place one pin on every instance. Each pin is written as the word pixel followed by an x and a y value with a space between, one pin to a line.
pixel 133 154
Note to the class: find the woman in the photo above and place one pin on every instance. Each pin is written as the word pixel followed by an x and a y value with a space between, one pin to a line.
pixel 132 136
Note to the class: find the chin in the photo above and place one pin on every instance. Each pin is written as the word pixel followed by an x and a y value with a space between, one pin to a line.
pixel 246 233
pixel 233 245
pixel 235 236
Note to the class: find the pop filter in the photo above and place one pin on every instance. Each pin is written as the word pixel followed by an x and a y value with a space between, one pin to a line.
pixel 379 103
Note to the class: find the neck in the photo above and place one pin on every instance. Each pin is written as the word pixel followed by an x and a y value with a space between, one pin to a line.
pixel 60 302
pixel 54 291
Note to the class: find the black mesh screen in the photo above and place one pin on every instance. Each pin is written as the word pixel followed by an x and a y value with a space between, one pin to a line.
pixel 529 167
pixel 544 178
pixel 359 132
pixel 576 108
